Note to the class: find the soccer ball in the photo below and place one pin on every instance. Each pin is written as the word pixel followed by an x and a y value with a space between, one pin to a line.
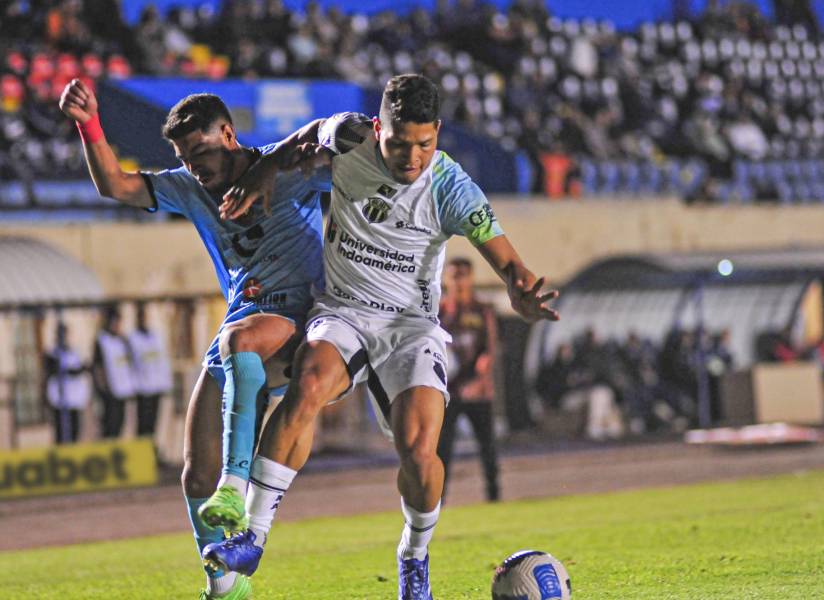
pixel 531 575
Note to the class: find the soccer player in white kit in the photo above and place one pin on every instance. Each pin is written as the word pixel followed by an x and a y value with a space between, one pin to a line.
pixel 396 200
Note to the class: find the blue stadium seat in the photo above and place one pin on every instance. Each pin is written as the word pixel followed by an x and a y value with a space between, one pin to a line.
pixel 589 177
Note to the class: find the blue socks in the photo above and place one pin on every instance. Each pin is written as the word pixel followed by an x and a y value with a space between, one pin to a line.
pixel 245 376
pixel 204 535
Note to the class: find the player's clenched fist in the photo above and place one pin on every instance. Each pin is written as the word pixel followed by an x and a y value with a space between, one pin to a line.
pixel 78 102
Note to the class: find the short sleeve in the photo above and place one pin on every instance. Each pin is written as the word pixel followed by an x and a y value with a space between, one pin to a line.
pixel 345 131
pixel 319 181
pixel 169 189
pixel 463 208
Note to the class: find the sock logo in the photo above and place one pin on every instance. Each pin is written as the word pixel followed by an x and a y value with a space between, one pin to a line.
pixel 233 462
pixel 278 498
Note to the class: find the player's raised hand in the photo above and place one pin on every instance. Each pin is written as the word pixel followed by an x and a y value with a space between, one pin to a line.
pixel 78 102
pixel 255 185
pixel 529 302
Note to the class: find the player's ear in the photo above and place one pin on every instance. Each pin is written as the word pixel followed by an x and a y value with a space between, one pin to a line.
pixel 227 132
pixel 376 126
pixel 437 126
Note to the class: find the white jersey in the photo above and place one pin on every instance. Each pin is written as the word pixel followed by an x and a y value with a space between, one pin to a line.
pixel 150 364
pixel 385 241
pixel 116 364
pixel 65 389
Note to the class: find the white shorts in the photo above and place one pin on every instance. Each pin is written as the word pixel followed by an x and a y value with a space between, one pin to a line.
pixel 390 353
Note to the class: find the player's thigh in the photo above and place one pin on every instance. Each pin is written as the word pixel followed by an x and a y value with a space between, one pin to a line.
pixel 203 433
pixel 416 418
pixel 263 333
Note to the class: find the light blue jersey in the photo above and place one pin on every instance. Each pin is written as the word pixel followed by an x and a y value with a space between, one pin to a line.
pixel 263 263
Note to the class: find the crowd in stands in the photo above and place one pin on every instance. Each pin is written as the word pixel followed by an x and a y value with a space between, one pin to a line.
pixel 633 386
pixel 728 106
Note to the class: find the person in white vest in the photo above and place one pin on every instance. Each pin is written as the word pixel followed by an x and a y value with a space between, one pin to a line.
pixel 112 372
pixel 67 387
pixel 151 370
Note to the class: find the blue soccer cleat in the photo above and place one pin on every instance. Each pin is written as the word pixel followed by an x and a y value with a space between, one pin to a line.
pixel 237 553
pixel 413 579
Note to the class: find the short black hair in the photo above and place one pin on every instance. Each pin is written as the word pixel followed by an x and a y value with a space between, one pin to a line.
pixel 410 98
pixel 196 112
pixel 460 261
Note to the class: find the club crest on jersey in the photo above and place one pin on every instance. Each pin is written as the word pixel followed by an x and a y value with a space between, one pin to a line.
pixel 376 210
pixel 251 289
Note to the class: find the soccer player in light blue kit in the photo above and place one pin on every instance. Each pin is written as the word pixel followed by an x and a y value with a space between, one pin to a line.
pixel 268 266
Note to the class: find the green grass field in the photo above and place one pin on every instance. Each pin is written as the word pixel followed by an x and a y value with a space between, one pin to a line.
pixel 756 539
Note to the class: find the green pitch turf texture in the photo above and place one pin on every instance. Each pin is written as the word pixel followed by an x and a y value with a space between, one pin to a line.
pixel 755 539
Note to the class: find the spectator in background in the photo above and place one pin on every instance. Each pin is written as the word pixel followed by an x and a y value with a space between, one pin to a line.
pixel 152 372
pixel 783 348
pixel 719 360
pixel 471 381
pixel 557 377
pixel 599 373
pixel 67 387
pixel 112 373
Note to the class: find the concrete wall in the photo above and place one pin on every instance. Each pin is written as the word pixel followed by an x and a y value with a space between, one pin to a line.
pixel 555 238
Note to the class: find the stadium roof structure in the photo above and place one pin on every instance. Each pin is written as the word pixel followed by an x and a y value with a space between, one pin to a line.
pixel 37 274
pixel 747 293
pixel 667 270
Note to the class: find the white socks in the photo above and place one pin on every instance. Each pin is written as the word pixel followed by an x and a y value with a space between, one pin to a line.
pixel 221 585
pixel 268 482
pixel 417 532
pixel 237 482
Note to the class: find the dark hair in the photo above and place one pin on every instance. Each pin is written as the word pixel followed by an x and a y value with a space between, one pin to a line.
pixel 460 261
pixel 196 112
pixel 410 98
pixel 110 313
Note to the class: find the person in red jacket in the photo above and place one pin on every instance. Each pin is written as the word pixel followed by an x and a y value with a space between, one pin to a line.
pixel 471 383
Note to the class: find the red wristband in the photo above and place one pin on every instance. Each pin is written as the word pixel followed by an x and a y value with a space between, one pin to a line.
pixel 91 131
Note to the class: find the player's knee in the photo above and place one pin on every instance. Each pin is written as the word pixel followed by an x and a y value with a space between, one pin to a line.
pixel 311 394
pixel 238 339
pixel 196 482
pixel 419 455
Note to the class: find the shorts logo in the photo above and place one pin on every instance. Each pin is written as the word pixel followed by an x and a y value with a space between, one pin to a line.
pixel 438 363
pixel 251 289
pixel 376 210
pixel 480 216
pixel 316 323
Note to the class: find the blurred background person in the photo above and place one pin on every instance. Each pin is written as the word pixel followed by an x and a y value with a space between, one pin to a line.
pixel 112 373
pixel 472 364
pixel 151 370
pixel 67 387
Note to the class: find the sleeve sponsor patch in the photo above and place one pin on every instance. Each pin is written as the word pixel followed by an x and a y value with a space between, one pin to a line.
pixel 481 225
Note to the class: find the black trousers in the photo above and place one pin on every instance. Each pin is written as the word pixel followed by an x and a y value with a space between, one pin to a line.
pixel 147 413
pixel 480 416
pixel 114 411
pixel 66 425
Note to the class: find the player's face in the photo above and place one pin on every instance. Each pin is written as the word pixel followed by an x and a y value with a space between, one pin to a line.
pixel 207 155
pixel 407 148
pixel 458 280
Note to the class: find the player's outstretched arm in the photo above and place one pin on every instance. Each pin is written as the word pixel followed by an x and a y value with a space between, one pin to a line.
pixel 258 182
pixel 78 102
pixel 523 286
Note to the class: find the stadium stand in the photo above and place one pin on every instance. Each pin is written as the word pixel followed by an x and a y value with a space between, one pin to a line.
pixel 727 107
